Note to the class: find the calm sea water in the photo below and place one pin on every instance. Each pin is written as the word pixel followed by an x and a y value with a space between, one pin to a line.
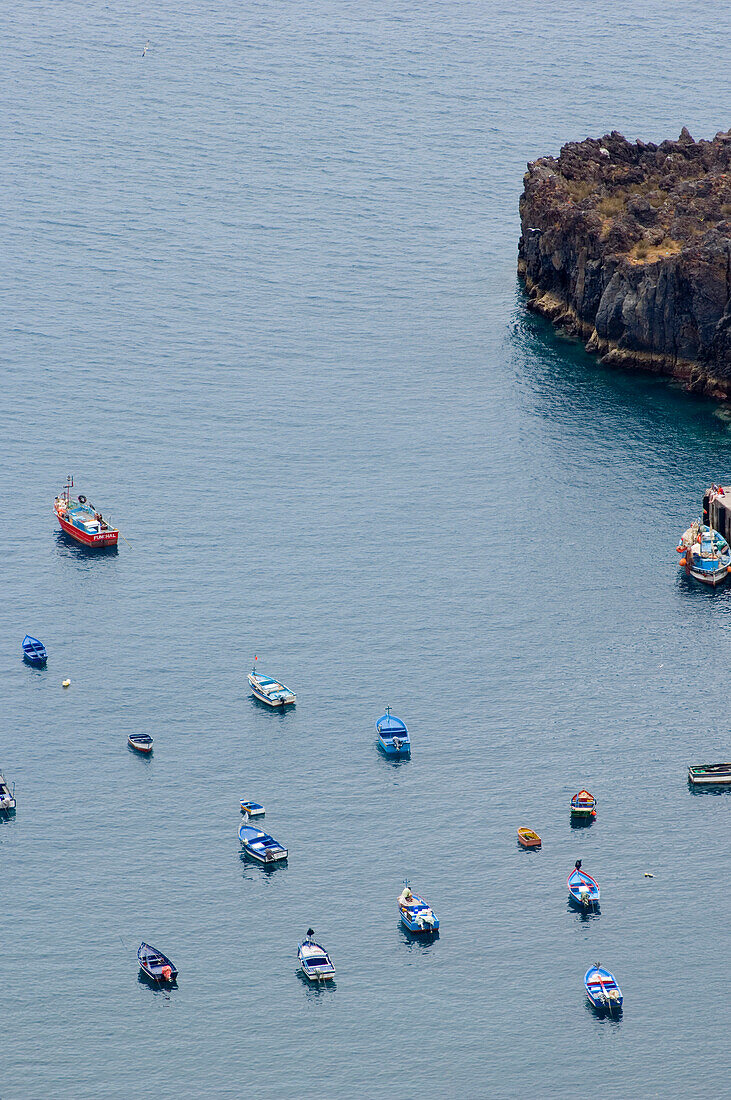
pixel 259 297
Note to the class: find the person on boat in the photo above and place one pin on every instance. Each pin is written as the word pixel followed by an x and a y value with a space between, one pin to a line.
pixel 577 865
pixel 405 897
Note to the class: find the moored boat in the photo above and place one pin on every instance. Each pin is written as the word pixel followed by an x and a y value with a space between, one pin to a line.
pixel 156 965
pixel 416 914
pixel 269 691
pixel 7 797
pixel 260 846
pixel 528 838
pixel 602 989
pixel 82 522
pixel 393 737
pixel 583 805
pixel 34 652
pixel 583 889
pixel 715 775
pixel 315 962
pixel 142 742
pixel 706 555
pixel 253 809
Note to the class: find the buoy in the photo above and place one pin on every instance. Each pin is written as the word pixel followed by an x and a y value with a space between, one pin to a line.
pixel 683 561
pixel 66 683
pixel 648 875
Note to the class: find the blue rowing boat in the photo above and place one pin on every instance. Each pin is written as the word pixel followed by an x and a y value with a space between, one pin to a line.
pixel 155 965
pixel 34 652
pixel 393 737
pixel 260 846
pixel 583 890
pixel 602 989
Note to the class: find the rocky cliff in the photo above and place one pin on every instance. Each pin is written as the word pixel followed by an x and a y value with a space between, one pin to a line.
pixel 628 246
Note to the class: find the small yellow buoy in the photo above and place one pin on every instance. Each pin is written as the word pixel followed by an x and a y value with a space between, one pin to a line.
pixel 66 683
pixel 648 875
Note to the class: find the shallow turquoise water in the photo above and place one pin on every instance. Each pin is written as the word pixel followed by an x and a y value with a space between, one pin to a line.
pixel 259 297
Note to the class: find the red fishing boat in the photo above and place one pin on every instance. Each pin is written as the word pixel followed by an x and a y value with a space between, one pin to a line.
pixel 81 521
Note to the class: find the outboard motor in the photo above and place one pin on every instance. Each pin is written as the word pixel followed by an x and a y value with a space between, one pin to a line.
pixel 397 744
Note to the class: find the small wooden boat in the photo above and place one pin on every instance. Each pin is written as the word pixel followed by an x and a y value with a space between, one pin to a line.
pixel 602 989
pixel 528 839
pixel 7 797
pixel 706 556
pixel 315 962
pixel 270 691
pixel 260 846
pixel 140 741
pixel 415 913
pixel 583 890
pixel 393 737
pixel 583 805
pixel 253 809
pixel 34 652
pixel 156 965
pixel 715 775
pixel 82 522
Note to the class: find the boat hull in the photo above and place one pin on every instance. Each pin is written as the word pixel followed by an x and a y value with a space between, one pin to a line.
pixel 271 702
pixel 34 661
pixel 279 858
pixel 144 749
pixel 387 747
pixel 101 541
pixel 710 779
pixel 711 580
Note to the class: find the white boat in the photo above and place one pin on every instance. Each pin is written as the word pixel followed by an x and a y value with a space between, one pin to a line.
pixel 271 691
pixel 252 809
pixel 706 555
pixel 7 797
pixel 261 846
pixel 314 960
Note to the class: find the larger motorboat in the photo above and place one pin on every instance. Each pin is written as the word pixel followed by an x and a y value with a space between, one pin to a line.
pixel 81 521
pixel 706 555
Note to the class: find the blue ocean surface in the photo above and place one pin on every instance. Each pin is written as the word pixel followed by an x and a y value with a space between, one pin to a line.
pixel 259 297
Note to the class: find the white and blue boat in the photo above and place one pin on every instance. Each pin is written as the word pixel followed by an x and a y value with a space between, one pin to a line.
pixel 270 691
pixel 583 890
pixel 315 962
pixel 706 554
pixel 602 989
pixel 34 652
pixel 7 797
pixel 416 914
pixel 253 809
pixel 393 737
pixel 260 846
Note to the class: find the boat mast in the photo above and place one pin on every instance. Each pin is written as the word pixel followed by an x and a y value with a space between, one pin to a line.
pixel 67 488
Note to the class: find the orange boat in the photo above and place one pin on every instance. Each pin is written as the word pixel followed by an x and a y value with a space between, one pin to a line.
pixel 528 838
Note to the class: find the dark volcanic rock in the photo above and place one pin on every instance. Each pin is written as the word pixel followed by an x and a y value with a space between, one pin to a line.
pixel 629 246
